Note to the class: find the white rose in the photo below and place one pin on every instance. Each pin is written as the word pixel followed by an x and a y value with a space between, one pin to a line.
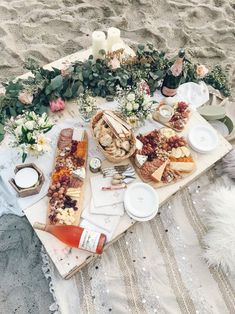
pixel 88 109
pixel 19 121
pixel 131 97
pixel 18 131
pixel 129 106
pixel 30 125
pixel 136 106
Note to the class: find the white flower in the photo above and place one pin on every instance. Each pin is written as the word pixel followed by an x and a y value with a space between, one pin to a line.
pixel 129 106
pixel 18 131
pixel 41 121
pixel 131 97
pixel 149 116
pixel 88 109
pixel 33 115
pixel 19 121
pixel 135 106
pixel 29 125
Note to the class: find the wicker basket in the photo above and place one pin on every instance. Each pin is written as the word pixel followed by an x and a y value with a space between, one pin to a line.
pixel 110 157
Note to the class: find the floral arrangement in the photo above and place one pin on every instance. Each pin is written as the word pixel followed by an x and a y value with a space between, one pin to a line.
pixel 100 77
pixel 28 132
pixel 87 105
pixel 135 105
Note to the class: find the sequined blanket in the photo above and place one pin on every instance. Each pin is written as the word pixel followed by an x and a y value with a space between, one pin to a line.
pixel 156 267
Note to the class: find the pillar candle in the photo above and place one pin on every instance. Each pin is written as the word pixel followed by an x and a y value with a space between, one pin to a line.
pixel 113 37
pixel 98 43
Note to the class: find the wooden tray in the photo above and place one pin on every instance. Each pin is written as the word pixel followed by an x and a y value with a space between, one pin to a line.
pixel 82 189
pixel 161 184
pixel 169 124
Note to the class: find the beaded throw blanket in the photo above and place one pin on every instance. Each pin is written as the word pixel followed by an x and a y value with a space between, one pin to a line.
pixel 156 267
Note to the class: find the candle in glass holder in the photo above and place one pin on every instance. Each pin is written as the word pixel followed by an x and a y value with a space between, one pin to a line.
pixel 114 37
pixel 98 43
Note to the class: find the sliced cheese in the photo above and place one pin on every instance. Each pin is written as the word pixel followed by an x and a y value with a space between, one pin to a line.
pixel 157 175
pixel 140 160
pixel 167 132
pixel 182 166
pixel 80 173
pixel 185 151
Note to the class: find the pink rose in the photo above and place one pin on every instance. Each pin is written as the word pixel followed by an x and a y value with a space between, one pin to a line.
pixel 25 98
pixel 201 70
pixel 114 63
pixel 143 86
pixel 57 105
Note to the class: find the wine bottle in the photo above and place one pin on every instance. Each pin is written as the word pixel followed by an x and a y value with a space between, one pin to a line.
pixel 74 236
pixel 173 76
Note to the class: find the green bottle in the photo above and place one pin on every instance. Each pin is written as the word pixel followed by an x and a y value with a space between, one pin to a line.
pixel 173 76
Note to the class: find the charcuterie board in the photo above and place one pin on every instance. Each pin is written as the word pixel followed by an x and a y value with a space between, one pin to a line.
pixel 179 113
pixel 162 157
pixel 66 192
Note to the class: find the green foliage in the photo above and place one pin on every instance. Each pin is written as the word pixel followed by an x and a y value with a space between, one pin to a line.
pixel 97 77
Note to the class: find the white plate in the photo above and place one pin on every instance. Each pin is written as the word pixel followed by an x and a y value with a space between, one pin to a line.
pixel 220 127
pixel 203 139
pixel 141 200
pixel 142 219
pixel 26 178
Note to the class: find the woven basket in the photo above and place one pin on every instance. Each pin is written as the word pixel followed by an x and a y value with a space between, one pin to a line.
pixel 110 157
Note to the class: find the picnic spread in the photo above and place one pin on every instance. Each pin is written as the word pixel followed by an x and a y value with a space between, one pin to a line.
pixel 112 150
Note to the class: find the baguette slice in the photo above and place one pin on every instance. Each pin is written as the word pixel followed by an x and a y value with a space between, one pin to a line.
pixel 182 166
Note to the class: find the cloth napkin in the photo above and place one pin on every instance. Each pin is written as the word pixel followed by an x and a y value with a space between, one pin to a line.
pixel 106 222
pixel 104 198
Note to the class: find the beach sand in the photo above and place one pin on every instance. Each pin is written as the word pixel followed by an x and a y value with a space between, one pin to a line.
pixel 48 30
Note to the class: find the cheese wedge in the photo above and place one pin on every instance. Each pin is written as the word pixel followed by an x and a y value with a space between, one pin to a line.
pixel 182 166
pixel 80 173
pixel 157 175
pixel 140 160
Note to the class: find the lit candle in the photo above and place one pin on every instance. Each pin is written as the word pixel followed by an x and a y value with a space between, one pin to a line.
pixel 98 43
pixel 113 37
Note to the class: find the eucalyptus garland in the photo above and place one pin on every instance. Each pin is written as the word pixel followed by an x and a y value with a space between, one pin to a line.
pixel 36 92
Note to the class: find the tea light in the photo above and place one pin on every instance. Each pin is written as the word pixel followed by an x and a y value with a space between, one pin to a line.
pixel 114 37
pixel 26 178
pixel 98 43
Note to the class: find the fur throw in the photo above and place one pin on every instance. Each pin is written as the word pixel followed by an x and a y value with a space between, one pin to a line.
pixel 220 239
pixel 227 165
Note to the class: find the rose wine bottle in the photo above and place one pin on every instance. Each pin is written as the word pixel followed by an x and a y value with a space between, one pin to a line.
pixel 173 76
pixel 76 236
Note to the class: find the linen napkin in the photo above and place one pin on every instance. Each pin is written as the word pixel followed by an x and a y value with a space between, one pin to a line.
pixel 106 222
pixel 104 198
pixel 110 210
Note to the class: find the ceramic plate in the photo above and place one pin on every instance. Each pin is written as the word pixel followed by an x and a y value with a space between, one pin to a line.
pixel 26 178
pixel 220 127
pixel 203 139
pixel 141 200
pixel 142 219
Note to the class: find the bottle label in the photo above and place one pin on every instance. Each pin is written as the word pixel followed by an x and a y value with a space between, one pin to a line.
pixel 169 91
pixel 89 240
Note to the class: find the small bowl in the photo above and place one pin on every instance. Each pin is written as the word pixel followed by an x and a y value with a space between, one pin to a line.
pixel 165 113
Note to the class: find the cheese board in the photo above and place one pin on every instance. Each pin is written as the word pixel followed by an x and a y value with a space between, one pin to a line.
pixel 173 114
pixel 163 157
pixel 66 191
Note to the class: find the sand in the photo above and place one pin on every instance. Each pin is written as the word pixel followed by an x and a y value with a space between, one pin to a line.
pixel 48 30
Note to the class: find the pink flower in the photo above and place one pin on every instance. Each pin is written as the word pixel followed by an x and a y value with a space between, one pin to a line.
pixel 25 98
pixel 114 63
pixel 144 87
pixel 57 105
pixel 201 70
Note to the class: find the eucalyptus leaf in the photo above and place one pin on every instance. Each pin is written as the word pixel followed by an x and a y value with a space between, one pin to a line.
pixel 56 82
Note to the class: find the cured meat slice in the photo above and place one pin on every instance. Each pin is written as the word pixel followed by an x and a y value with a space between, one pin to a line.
pixel 65 138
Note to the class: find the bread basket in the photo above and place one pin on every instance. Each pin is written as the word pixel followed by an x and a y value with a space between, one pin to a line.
pixel 110 156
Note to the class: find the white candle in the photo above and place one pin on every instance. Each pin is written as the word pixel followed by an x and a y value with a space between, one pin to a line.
pixel 98 43
pixel 113 37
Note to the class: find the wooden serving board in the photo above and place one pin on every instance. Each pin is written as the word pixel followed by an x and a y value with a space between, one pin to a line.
pixel 167 124
pixel 69 261
pixel 82 188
